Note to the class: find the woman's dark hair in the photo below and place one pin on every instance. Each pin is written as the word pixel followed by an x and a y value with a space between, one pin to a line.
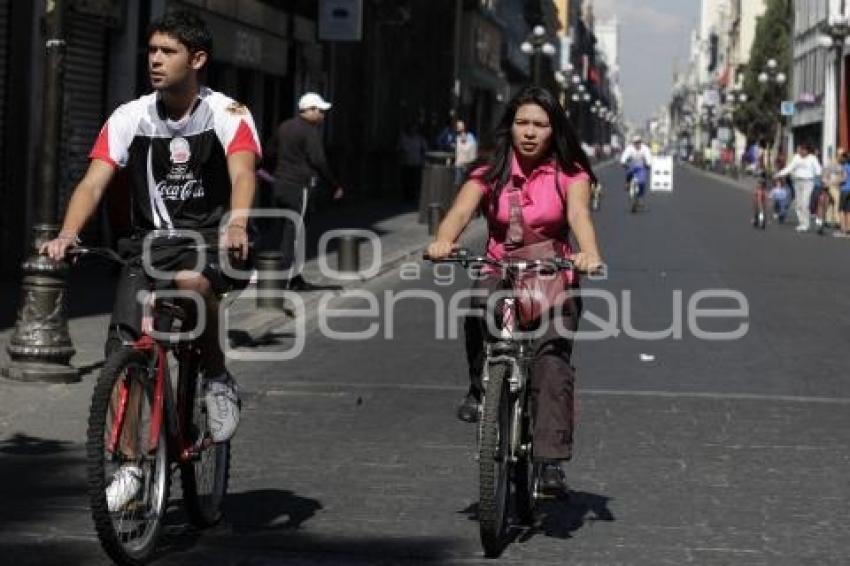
pixel 565 147
pixel 187 27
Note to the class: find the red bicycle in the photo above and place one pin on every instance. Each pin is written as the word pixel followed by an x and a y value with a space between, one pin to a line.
pixel 148 411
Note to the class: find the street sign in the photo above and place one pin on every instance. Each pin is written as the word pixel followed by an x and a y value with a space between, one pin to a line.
pixel 724 134
pixel 662 174
pixel 341 20
pixel 787 108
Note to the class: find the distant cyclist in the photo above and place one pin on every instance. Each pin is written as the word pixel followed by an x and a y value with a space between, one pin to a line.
pixel 637 159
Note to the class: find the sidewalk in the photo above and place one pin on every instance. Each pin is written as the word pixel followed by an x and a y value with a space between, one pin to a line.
pixel 53 411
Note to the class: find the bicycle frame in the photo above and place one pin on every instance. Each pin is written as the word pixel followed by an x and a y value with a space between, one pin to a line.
pixel 517 353
pixel 179 447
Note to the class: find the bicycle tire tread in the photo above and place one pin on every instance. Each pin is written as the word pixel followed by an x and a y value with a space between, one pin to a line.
pixel 491 525
pixel 101 396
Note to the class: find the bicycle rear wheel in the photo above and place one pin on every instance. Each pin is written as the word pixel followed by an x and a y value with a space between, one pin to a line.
pixel 119 434
pixel 633 196
pixel 494 462
pixel 205 477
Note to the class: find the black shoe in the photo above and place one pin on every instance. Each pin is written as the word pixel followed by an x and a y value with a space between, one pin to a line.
pixel 299 284
pixel 469 409
pixel 553 479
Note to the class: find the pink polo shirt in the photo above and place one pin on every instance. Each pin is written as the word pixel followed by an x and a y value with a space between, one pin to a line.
pixel 542 209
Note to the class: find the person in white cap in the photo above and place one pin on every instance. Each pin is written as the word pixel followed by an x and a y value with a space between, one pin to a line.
pixel 295 154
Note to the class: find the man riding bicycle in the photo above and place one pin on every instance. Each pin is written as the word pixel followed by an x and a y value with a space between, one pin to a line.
pixel 191 155
pixel 637 158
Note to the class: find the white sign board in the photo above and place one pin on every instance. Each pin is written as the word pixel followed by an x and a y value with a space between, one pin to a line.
pixel 341 20
pixel 711 97
pixel 662 174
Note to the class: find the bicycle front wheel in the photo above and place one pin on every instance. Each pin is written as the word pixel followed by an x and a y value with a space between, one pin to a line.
pixel 494 462
pixel 206 476
pixel 526 471
pixel 120 439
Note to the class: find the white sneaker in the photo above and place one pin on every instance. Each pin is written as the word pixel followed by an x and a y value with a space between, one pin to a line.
pixel 124 487
pixel 802 228
pixel 222 400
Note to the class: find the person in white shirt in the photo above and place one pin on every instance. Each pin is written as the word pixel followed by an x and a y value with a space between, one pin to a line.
pixel 466 150
pixel 637 159
pixel 803 169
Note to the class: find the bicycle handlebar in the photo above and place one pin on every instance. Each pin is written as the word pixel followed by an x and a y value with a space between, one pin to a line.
pixel 106 253
pixel 112 255
pixel 464 258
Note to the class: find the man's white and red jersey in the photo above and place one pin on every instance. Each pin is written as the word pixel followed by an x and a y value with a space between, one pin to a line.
pixel 178 169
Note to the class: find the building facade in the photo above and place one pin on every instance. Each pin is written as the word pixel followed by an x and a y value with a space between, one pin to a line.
pixel 410 61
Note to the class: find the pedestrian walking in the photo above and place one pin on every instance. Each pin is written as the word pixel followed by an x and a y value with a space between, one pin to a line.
pixel 844 202
pixel 803 169
pixel 833 177
pixel 466 150
pixel 297 156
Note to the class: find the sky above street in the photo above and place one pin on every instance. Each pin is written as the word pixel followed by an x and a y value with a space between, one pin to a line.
pixel 654 35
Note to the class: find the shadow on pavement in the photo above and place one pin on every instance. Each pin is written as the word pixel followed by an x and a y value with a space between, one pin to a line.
pixel 304 548
pixel 37 477
pixel 267 510
pixel 243 339
pixel 54 552
pixel 560 519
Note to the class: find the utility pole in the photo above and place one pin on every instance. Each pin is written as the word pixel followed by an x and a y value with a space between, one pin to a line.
pixel 456 87
pixel 40 348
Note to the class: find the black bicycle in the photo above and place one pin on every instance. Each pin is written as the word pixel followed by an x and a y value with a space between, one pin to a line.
pixel 508 477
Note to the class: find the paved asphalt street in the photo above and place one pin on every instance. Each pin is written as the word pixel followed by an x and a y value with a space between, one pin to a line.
pixel 689 451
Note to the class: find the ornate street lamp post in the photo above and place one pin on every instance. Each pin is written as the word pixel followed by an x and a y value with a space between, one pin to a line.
pixel 537 45
pixel 772 75
pixel 40 348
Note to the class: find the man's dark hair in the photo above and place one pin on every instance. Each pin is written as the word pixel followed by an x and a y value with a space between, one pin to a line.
pixel 187 27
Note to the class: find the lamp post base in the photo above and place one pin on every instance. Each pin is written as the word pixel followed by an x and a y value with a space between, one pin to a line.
pixel 45 373
pixel 40 349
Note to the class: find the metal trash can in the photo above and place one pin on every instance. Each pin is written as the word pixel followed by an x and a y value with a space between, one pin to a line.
pixel 267 263
pixel 348 254
pixel 435 216
pixel 438 183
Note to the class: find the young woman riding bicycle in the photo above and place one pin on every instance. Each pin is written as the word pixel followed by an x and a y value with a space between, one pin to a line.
pixel 537 182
